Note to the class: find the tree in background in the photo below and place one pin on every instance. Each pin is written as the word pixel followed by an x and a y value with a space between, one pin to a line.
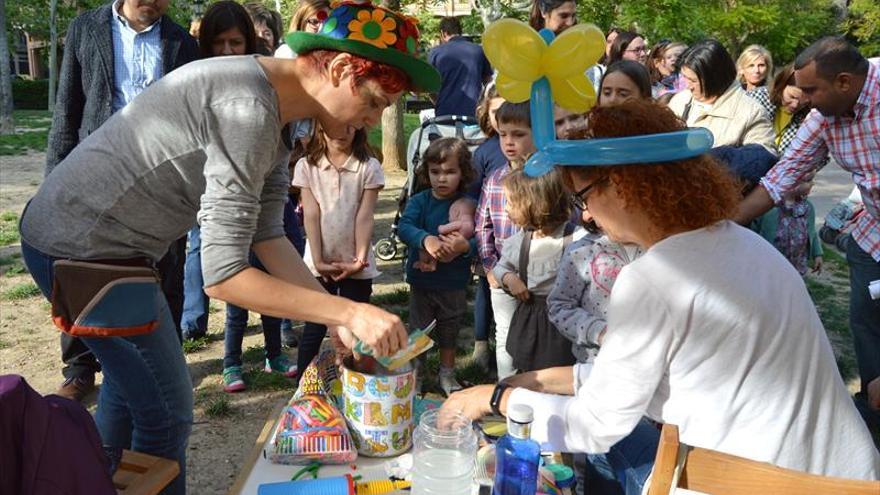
pixel 7 125
pixel 863 24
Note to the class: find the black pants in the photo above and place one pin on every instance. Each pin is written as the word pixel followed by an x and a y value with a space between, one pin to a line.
pixel 313 333
pixel 79 362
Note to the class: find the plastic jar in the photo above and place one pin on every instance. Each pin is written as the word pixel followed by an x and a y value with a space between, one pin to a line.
pixel 443 458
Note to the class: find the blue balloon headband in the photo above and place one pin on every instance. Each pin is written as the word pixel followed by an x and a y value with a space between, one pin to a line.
pixel 541 68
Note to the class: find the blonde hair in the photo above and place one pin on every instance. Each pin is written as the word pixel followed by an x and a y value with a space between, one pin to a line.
pixel 750 54
pixel 304 10
pixel 541 202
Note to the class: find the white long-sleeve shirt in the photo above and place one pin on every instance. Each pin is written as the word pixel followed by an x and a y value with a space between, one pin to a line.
pixel 712 330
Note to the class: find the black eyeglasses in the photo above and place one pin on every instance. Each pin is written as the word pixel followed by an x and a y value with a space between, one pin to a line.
pixel 580 198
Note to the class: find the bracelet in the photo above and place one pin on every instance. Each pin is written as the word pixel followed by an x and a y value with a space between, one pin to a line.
pixel 497 394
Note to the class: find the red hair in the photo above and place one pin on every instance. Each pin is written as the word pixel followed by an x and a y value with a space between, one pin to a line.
pixel 389 78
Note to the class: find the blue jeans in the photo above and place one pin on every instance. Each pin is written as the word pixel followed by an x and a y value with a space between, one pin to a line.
pixel 194 321
pixel 146 402
pixel 358 290
pixel 483 316
pixel 236 324
pixel 864 313
pixel 625 468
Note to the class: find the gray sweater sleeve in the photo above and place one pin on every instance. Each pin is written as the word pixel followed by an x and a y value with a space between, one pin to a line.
pixel 241 202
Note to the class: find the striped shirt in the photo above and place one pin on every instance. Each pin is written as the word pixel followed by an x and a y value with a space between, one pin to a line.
pixel 854 143
pixel 493 224
pixel 137 58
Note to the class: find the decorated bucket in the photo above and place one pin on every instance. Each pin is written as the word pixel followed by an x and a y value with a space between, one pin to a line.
pixel 379 410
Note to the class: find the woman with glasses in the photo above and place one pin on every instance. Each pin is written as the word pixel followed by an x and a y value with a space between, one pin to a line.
pixel 629 46
pixel 714 99
pixel 709 330
pixel 309 17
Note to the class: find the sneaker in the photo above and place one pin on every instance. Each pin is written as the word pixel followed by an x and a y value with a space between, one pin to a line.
pixel 448 382
pixel 76 388
pixel 233 381
pixel 481 354
pixel 280 364
pixel 288 338
pixel 192 334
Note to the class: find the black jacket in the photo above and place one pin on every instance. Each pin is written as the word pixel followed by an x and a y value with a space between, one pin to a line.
pixel 84 99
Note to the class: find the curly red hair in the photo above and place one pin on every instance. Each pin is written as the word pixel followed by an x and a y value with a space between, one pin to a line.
pixel 390 79
pixel 676 196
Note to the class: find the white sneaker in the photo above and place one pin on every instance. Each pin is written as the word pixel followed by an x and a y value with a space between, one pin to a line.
pixel 448 382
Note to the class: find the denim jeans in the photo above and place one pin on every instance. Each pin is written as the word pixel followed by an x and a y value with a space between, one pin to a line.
pixel 482 310
pixel 625 468
pixel 864 313
pixel 236 324
pixel 358 290
pixel 146 402
pixel 194 322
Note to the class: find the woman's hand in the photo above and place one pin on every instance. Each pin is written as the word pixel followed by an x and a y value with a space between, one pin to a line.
pixel 375 327
pixel 472 402
pixel 516 287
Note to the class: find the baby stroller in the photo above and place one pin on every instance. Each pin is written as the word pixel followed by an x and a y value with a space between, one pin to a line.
pixel 460 126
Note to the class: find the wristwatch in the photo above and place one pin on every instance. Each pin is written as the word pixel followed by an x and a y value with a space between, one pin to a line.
pixel 497 394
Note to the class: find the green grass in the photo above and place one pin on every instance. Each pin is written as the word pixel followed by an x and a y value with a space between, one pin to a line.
pixel 254 355
pixel 833 310
pixel 33 137
pixel 9 228
pixel 4 344
pixel 257 379
pixel 195 345
pixel 398 296
pixel 12 265
pixel 20 291
pixel 218 407
pixel 834 259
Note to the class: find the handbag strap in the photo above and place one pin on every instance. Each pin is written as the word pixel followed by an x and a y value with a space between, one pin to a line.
pixel 524 256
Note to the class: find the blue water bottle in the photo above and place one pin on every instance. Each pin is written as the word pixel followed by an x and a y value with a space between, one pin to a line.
pixel 516 455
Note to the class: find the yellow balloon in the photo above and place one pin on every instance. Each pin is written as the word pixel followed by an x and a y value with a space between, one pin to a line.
pixel 515 49
pixel 574 94
pixel 574 51
pixel 513 90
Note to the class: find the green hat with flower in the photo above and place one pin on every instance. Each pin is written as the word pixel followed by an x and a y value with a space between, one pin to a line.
pixel 375 33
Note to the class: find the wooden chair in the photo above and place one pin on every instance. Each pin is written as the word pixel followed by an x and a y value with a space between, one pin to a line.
pixel 714 473
pixel 142 474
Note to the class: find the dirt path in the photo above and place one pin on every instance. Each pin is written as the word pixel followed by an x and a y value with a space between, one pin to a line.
pixel 225 425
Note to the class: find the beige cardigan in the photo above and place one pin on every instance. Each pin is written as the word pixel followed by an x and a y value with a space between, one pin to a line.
pixel 735 119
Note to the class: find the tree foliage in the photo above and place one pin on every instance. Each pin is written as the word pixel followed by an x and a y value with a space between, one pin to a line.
pixel 863 24
pixel 783 26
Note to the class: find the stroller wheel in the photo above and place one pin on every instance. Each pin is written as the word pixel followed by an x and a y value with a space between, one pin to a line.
pixel 386 249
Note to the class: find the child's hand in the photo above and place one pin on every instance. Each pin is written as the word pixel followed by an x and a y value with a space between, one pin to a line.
pixel 348 269
pixel 327 270
pixel 817 264
pixel 433 245
pixel 455 245
pixel 516 287
pixel 493 282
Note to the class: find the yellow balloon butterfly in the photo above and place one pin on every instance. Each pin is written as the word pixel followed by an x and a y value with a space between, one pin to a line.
pixel 521 57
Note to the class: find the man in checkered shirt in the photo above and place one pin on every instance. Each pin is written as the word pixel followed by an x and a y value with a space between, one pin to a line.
pixel 844 91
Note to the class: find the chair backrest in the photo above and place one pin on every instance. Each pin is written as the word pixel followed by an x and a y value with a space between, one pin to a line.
pixel 714 473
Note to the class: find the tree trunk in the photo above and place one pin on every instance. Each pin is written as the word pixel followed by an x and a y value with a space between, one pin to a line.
pixel 393 145
pixel 53 52
pixel 7 126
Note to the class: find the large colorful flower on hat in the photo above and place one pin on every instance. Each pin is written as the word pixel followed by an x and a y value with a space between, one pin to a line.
pixel 373 27
pixel 337 24
pixel 408 36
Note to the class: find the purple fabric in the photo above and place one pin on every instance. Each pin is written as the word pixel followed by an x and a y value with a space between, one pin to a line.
pixel 48 445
